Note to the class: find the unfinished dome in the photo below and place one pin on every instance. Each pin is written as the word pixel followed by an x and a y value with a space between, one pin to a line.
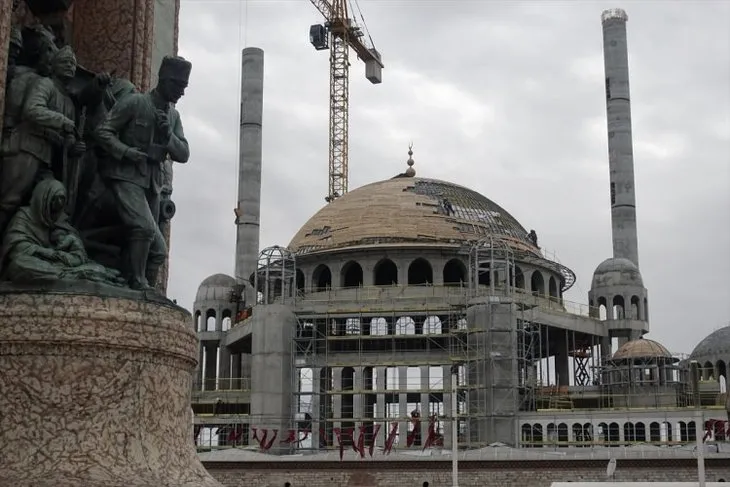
pixel 617 271
pixel 641 348
pixel 409 211
pixel 215 288
pixel 713 346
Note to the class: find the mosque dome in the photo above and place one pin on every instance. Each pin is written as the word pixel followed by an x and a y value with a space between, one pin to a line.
pixel 716 344
pixel 617 271
pixel 641 348
pixel 215 288
pixel 408 210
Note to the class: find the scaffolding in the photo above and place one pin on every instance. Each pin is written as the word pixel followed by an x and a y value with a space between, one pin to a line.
pixel 359 370
pixel 275 278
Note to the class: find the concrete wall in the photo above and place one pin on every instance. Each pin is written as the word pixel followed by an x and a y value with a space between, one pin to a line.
pixel 272 367
pixel 472 474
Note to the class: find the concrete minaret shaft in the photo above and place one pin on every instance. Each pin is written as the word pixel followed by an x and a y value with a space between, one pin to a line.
pixel 620 147
pixel 249 170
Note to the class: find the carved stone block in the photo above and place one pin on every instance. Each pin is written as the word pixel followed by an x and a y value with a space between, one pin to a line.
pixel 96 391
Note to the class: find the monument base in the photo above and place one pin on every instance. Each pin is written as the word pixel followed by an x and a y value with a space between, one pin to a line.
pixel 95 390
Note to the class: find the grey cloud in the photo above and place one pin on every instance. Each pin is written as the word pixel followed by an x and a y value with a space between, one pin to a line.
pixel 505 98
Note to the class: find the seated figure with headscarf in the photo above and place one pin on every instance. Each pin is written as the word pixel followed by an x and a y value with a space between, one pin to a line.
pixel 40 246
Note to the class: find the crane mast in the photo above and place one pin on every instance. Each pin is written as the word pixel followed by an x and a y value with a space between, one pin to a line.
pixel 339 34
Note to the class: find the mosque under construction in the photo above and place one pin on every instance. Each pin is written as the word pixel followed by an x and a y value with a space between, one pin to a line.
pixel 412 306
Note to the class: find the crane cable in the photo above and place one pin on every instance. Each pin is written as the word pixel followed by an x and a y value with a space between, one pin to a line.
pixel 364 24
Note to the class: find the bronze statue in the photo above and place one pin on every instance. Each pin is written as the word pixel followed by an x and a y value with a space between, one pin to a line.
pixel 46 129
pixel 116 191
pixel 141 131
pixel 40 246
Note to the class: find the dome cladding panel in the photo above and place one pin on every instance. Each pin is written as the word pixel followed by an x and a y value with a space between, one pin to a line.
pixel 617 272
pixel 641 348
pixel 217 287
pixel 715 346
pixel 408 210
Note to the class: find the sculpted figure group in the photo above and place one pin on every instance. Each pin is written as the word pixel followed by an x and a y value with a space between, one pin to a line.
pixel 84 167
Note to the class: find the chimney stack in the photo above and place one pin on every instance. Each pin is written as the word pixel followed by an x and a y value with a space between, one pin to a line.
pixel 620 146
pixel 249 168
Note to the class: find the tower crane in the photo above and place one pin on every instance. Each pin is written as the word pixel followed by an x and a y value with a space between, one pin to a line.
pixel 339 33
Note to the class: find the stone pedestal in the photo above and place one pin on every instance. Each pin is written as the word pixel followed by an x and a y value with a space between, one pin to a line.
pixel 95 391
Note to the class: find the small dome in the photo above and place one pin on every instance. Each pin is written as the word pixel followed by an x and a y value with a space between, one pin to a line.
pixel 641 348
pixel 215 288
pixel 714 345
pixel 617 271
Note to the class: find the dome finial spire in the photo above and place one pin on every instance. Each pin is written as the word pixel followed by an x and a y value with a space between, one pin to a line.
pixel 410 172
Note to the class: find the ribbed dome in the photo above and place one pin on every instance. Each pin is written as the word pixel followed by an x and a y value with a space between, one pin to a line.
pixel 641 348
pixel 215 288
pixel 714 345
pixel 616 271
pixel 408 210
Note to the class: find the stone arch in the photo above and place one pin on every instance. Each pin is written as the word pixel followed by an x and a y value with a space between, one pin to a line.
pixel 405 326
pixel 300 280
pixel 321 278
pixel 432 326
pixel 635 308
pixel 386 273
pixel 537 434
pixel 378 326
pixel 721 369
pixel 519 278
pixel 553 287
pixel 226 319
pixel 527 434
pixel 198 321
pixel 351 275
pixel 210 320
pixel 602 308
pixel 420 272
pixel 454 273
pixel 619 307
pixel 655 432
pixel 537 283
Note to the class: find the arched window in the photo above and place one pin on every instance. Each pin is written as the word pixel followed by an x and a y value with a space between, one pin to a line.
pixel 420 272
pixel 553 287
pixel 619 309
pixel 454 273
pixel 300 280
pixel 537 284
pixel 386 273
pixel 352 274
pixel 322 278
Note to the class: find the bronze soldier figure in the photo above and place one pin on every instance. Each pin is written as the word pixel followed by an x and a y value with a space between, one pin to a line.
pixel 139 133
pixel 43 128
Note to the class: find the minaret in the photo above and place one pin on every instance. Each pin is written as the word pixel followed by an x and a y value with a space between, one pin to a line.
pixel 248 211
pixel 620 147
pixel 617 292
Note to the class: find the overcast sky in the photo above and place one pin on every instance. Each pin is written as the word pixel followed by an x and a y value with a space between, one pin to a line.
pixel 506 98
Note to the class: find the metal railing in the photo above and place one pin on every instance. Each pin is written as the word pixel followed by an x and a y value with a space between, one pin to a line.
pixel 232 384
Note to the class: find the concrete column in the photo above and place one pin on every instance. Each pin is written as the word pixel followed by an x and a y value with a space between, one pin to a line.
pixel 211 365
pixel 249 169
pixel 403 413
pixel 337 396
pixel 358 399
pixel 198 377
pixel 224 369
pixel 316 395
pixel 425 402
pixel 236 372
pixel 380 405
pixel 562 369
pixel 447 419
